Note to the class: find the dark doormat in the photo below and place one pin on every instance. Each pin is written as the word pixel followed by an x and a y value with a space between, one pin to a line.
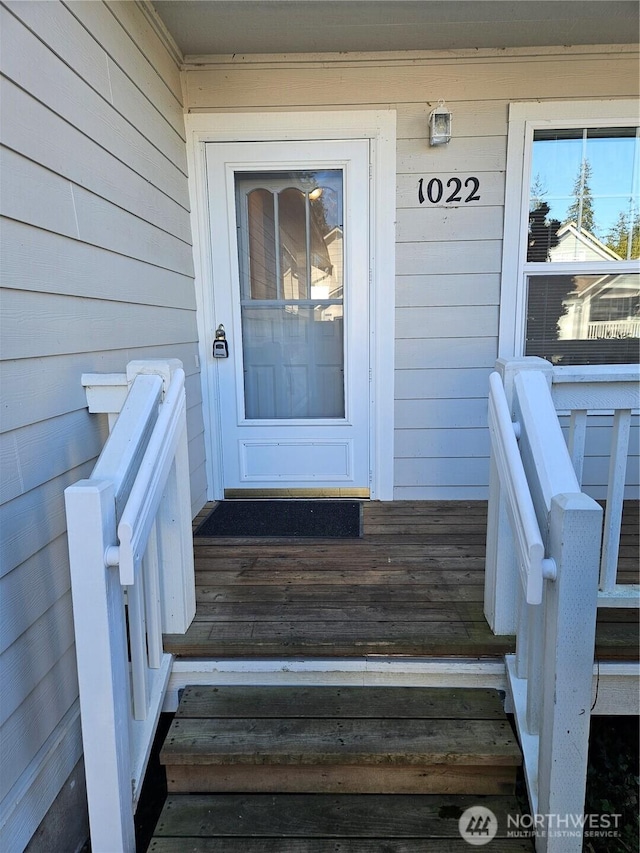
pixel 317 519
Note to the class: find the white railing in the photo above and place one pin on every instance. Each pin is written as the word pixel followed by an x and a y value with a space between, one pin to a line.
pixel 614 329
pixel 584 394
pixel 131 559
pixel 549 566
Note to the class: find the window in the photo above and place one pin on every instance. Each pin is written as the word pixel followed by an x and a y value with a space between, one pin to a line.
pixel 577 234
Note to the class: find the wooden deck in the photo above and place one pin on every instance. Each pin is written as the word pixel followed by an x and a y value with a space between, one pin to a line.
pixel 412 585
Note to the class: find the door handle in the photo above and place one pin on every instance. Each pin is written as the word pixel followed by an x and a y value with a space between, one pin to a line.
pixel 220 345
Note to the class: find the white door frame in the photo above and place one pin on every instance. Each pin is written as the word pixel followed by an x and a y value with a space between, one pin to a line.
pixel 379 127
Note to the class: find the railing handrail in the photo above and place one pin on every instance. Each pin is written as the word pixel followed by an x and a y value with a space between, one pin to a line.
pixel 527 537
pixel 591 373
pixel 142 505
pixel 120 457
pixel 596 388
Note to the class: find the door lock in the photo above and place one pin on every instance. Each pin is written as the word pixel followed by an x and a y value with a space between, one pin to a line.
pixel 220 345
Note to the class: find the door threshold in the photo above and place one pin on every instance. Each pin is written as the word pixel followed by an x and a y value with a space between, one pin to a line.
pixel 286 494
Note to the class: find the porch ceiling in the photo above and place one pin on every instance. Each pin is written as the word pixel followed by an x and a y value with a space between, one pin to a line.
pixel 213 27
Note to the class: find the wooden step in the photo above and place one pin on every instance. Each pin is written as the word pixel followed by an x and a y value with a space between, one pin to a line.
pixel 322 823
pixel 357 740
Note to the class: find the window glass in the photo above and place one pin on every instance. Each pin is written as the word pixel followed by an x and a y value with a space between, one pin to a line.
pixel 584 199
pixel 584 319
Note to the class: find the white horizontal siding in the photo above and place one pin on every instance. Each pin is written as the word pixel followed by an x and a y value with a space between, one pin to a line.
pixel 97 271
pixel 472 321
pixel 42 136
pixel 42 324
pixel 31 657
pixel 33 519
pixel 41 451
pixel 434 492
pixel 421 384
pixel 428 443
pixel 464 472
pixel 23 595
pixel 35 389
pixel 434 224
pixel 29 253
pixel 109 62
pixel 35 195
pixel 442 414
pixel 449 254
pixel 64 89
pixel 163 61
pixel 446 353
pixel 447 290
pixel 463 155
pixel 36 718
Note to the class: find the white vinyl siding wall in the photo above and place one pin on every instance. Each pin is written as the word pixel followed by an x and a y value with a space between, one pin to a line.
pixel 97 270
pixel 448 257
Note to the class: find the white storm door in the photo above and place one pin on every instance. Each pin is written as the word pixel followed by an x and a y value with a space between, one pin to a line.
pixel 290 255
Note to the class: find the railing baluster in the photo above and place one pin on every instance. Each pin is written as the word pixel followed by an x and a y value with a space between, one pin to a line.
pixel 577 440
pixel 615 498
pixel 151 564
pixel 535 667
pixel 138 648
pixel 522 637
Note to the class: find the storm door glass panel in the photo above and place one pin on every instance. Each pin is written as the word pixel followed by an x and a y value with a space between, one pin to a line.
pixel 290 243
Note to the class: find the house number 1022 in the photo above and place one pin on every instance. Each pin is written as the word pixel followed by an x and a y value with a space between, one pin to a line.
pixel 436 192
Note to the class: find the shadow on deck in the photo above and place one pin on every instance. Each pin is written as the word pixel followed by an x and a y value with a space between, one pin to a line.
pixel 412 585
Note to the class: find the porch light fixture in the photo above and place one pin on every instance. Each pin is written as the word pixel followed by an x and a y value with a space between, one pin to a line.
pixel 440 125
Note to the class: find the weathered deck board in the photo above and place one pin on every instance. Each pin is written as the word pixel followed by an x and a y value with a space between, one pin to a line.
pixel 316 741
pixel 317 593
pixel 325 845
pixel 355 702
pixel 411 585
pixel 322 816
pixel 327 779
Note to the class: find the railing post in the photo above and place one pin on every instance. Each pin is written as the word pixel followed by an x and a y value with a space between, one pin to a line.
pixel 103 673
pixel 569 640
pixel 501 573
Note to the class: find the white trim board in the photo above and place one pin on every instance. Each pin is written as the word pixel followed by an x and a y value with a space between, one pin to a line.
pixel 379 126
pixel 365 671
pixel 524 118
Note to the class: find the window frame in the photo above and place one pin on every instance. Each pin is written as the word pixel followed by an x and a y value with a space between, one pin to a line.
pixel 524 119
